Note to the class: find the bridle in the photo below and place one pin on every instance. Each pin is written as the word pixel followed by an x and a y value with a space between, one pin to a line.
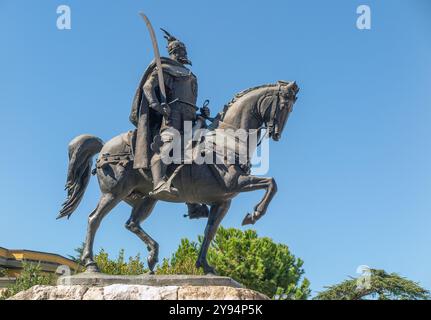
pixel 272 125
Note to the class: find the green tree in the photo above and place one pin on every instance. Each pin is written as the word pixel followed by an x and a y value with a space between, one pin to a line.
pixel 257 263
pixel 31 275
pixel 78 254
pixel 77 258
pixel 3 272
pixel 119 266
pixel 382 286
pixel 182 261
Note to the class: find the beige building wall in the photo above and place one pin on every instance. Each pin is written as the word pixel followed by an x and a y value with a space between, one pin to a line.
pixel 12 260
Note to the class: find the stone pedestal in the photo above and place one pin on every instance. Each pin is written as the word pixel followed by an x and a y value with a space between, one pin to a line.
pixel 137 292
pixel 100 279
pixel 96 286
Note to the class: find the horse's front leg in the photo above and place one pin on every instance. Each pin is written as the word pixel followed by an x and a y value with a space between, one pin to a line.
pixel 217 213
pixel 252 183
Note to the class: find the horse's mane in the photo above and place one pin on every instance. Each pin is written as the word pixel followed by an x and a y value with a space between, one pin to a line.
pixel 239 95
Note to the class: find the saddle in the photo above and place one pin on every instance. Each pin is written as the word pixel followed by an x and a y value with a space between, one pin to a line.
pixel 123 158
pixel 223 171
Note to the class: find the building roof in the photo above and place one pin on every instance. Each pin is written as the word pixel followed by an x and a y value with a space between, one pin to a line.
pixel 8 255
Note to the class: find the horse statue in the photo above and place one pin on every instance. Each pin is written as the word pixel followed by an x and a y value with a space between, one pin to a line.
pixel 262 107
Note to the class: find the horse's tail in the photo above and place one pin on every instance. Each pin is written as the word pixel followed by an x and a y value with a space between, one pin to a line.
pixel 82 149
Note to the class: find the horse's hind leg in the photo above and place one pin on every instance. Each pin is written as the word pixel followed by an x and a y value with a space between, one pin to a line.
pixel 142 208
pixel 217 213
pixel 252 183
pixel 106 203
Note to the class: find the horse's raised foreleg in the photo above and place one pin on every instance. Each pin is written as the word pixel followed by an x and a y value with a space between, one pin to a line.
pixel 217 213
pixel 106 203
pixel 252 183
pixel 142 208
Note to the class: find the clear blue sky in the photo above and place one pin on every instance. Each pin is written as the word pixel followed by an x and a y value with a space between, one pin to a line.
pixel 353 167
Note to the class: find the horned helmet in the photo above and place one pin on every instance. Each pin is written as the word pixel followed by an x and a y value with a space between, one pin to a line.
pixel 176 49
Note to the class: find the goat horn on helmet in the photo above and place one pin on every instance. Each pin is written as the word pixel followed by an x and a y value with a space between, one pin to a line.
pixel 168 36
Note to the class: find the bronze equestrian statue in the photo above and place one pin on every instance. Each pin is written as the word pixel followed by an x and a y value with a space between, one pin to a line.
pixel 129 166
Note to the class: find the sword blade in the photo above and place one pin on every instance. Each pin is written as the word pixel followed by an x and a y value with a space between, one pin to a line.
pixel 156 57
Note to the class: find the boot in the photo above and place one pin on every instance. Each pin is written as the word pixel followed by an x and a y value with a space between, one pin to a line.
pixel 197 211
pixel 160 182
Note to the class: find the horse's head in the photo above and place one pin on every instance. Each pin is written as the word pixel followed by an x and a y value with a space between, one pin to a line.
pixel 281 108
pixel 267 105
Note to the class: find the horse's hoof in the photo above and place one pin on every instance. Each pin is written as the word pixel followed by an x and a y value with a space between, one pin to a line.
pixel 209 271
pixel 152 261
pixel 92 268
pixel 248 220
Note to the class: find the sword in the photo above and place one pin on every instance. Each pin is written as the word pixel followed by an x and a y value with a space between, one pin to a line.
pixel 156 58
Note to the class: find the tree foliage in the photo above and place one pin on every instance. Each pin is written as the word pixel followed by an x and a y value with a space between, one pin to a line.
pixel 119 266
pixel 31 275
pixel 78 254
pixel 182 261
pixel 382 286
pixel 257 263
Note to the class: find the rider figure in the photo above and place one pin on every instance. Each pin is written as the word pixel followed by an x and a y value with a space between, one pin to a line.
pixel 181 85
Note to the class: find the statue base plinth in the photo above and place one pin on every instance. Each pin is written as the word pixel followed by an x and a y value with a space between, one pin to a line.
pixel 98 286
pixel 101 280
pixel 137 292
